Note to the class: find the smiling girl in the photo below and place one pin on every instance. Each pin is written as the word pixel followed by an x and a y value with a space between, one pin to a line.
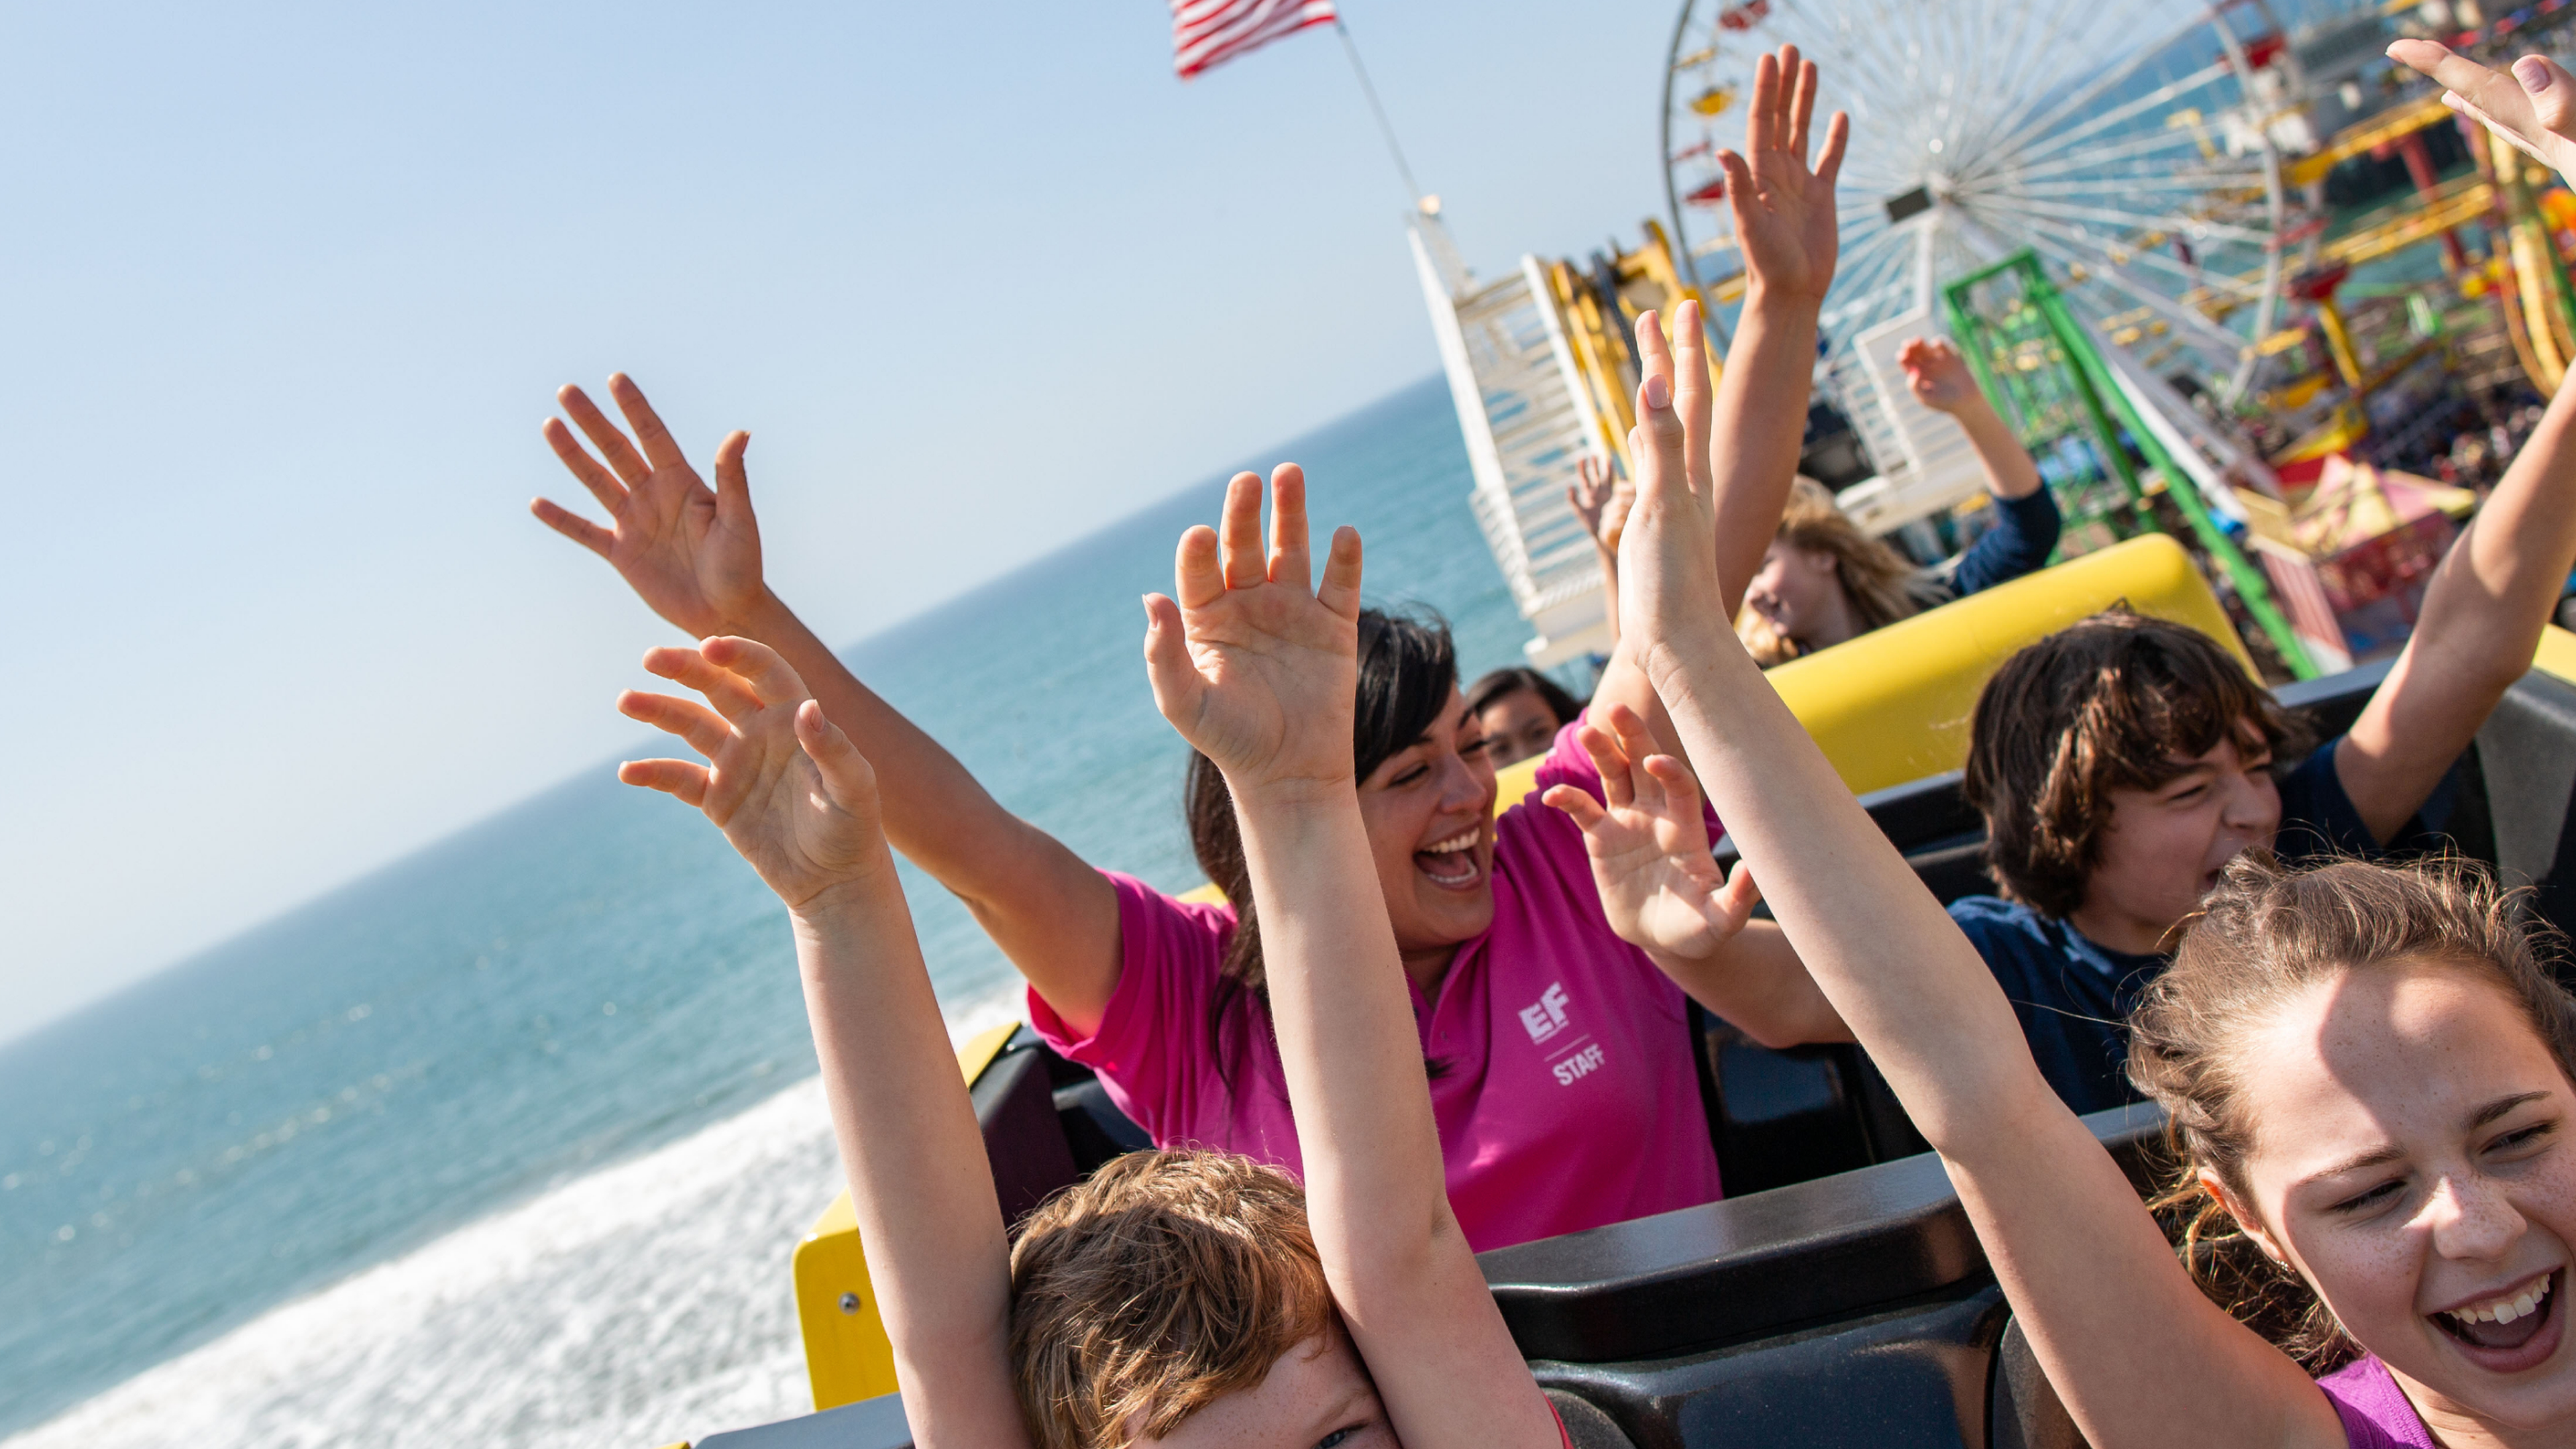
pixel 2368 1068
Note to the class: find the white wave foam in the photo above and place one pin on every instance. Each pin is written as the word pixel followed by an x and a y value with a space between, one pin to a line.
pixel 644 1303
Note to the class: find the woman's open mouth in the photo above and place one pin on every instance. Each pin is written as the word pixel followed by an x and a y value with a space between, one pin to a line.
pixel 2510 1331
pixel 1451 864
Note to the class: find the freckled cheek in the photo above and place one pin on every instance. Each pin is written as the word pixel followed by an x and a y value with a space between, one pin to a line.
pixel 2370 1279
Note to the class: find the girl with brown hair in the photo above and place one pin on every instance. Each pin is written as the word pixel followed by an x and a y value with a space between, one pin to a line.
pixel 2369 1070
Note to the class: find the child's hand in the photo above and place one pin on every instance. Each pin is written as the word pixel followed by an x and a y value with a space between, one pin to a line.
pixel 692 553
pixel 1937 375
pixel 1649 846
pixel 783 783
pixel 2534 108
pixel 1784 212
pixel 1256 666
pixel 1668 586
pixel 1601 500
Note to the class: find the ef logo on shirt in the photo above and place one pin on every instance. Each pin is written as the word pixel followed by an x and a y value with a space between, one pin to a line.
pixel 1545 1017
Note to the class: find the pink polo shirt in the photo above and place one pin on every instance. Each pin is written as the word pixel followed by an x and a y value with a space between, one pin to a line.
pixel 1563 1086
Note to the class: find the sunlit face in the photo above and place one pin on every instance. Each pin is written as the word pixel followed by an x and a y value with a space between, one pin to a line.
pixel 2162 849
pixel 2411 1160
pixel 1429 809
pixel 1317 1396
pixel 1517 726
pixel 1801 595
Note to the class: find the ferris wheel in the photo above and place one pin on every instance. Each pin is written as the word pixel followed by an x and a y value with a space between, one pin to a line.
pixel 2133 144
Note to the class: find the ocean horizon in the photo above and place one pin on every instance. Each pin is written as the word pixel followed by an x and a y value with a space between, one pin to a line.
pixel 510 1140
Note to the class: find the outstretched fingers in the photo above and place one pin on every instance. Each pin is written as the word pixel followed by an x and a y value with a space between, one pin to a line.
pixel 848 780
pixel 731 696
pixel 603 485
pixel 1239 532
pixel 733 482
pixel 1198 574
pixel 1179 688
pixel 1657 442
pixel 659 448
pixel 1693 398
pixel 671 777
pixel 757 665
pixel 1762 130
pixel 1837 140
pixel 1578 805
pixel 1802 99
pixel 704 729
pixel 572 525
pixel 1613 763
pixel 603 434
pixel 1291 561
pixel 1340 589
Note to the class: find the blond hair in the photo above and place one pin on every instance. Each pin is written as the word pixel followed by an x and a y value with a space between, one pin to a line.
pixel 2268 933
pixel 1165 1282
pixel 1881 584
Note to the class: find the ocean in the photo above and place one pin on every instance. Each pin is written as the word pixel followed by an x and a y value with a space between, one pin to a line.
pixel 508 1144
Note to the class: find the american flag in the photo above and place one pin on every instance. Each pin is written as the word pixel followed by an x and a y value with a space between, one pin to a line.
pixel 1211 32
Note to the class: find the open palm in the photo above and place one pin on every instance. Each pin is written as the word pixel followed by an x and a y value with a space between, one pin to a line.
pixel 1936 374
pixel 692 552
pixel 788 789
pixel 1649 845
pixel 1784 210
pixel 1254 665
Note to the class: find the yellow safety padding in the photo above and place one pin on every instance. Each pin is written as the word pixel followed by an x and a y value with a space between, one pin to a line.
pixel 847 1354
pixel 1894 705
pixel 2556 654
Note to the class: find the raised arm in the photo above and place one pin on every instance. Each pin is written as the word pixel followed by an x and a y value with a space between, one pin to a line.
pixel 1649 846
pixel 796 797
pixel 1786 226
pixel 2493 592
pixel 2026 521
pixel 692 553
pixel 1257 667
pixel 1600 501
pixel 2113 1318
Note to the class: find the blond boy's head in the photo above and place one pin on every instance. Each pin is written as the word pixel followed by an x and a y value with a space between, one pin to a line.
pixel 1165 1282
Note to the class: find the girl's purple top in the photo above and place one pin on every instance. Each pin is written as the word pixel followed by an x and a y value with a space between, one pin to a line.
pixel 2375 1412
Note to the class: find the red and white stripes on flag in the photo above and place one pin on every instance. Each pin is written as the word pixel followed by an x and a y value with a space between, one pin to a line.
pixel 1211 32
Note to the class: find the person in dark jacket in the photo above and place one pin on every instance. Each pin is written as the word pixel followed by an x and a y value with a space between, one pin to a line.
pixel 1824 581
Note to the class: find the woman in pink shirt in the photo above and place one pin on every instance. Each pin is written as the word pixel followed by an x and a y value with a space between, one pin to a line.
pixel 1563 1081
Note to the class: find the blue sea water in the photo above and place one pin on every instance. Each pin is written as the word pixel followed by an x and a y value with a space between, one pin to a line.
pixel 507 1143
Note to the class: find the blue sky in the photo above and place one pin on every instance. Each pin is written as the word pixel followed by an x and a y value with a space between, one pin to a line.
pixel 287 290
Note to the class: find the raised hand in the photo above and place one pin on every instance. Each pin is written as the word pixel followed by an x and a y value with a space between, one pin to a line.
pixel 1601 500
pixel 1937 375
pixel 2534 108
pixel 1667 571
pixel 1784 210
pixel 782 782
pixel 691 552
pixel 1256 665
pixel 1649 845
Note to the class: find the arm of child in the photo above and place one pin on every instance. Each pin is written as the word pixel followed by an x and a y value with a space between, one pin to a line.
pixel 2026 522
pixel 2494 590
pixel 1649 847
pixel 2139 1355
pixel 1600 501
pixel 1751 428
pixel 1257 668
pixel 692 553
pixel 795 796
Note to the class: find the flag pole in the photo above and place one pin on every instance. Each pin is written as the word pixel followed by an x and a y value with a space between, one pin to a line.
pixel 1412 192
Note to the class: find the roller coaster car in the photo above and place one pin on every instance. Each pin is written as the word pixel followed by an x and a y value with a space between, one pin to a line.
pixel 1838 1297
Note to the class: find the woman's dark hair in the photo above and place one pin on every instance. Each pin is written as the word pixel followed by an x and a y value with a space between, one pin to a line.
pixel 2272 932
pixel 1407 668
pixel 2104 704
pixel 1505 682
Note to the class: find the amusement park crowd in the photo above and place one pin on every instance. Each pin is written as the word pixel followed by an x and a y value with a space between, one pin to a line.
pixel 1414 1029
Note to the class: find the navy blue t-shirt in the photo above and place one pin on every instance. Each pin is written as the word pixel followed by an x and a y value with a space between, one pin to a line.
pixel 2073 995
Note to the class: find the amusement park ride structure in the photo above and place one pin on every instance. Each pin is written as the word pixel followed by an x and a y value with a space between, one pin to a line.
pixel 2188 188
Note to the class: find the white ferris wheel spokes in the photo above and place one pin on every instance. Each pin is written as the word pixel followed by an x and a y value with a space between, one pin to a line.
pixel 2125 141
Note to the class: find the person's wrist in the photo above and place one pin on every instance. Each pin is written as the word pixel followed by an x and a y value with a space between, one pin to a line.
pixel 756 617
pixel 846 905
pixel 1768 299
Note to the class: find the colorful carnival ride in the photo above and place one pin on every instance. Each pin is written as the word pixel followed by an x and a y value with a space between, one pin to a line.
pixel 2268 318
